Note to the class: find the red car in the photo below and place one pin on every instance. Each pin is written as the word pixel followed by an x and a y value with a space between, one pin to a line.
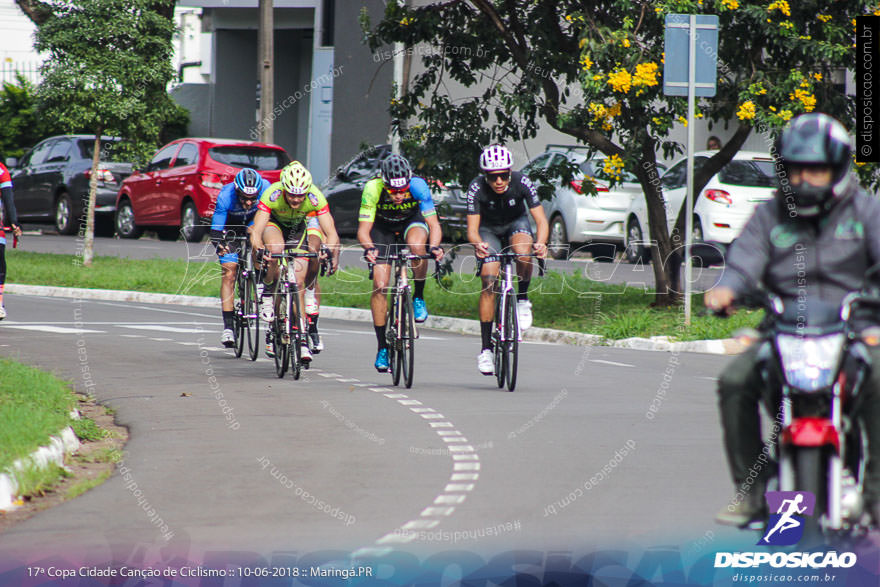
pixel 176 192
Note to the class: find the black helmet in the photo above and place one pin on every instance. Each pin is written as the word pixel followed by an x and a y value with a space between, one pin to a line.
pixel 815 139
pixel 396 172
pixel 247 184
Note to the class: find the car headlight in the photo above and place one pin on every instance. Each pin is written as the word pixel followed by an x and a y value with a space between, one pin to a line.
pixel 810 363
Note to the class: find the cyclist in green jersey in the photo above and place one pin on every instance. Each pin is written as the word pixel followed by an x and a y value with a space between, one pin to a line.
pixel 282 218
pixel 397 207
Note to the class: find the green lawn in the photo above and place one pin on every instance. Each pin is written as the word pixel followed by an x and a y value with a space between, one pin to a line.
pixel 567 302
pixel 33 406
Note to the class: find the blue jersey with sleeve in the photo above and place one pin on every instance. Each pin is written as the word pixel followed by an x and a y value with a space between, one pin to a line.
pixel 229 212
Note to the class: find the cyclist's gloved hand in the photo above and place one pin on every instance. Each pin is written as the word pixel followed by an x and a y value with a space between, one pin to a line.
pixel 220 247
pixel 540 249
pixel 334 263
pixel 481 250
pixel 371 254
pixel 437 252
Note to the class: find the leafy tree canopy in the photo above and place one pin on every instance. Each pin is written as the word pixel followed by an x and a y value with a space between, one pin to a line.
pixel 593 70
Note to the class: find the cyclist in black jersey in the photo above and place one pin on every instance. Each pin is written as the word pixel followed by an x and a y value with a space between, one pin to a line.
pixel 499 202
pixel 9 218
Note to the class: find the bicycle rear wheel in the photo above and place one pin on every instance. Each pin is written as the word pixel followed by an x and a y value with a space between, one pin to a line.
pixel 407 339
pixel 511 345
pixel 498 340
pixel 281 350
pixel 251 316
pixel 238 313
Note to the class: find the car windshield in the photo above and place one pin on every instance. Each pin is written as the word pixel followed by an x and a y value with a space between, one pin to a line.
pixel 258 158
pixel 751 173
pixel 110 150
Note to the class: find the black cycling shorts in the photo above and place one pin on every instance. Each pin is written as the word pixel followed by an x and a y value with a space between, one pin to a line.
pixel 498 236
pixel 387 236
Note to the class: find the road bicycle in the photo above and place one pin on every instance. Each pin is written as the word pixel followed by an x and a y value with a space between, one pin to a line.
pixel 506 334
pixel 288 331
pixel 247 300
pixel 400 331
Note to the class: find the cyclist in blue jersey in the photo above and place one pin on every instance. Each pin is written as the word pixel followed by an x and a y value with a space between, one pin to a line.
pixel 234 211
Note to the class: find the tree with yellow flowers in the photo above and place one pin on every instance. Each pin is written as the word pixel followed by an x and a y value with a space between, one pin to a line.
pixel 593 70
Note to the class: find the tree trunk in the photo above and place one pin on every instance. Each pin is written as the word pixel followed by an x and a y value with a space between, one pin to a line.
pixel 88 249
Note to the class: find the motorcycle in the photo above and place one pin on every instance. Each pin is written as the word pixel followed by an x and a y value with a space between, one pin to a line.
pixel 814 360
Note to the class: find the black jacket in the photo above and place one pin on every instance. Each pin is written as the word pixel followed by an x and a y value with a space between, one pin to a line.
pixel 803 260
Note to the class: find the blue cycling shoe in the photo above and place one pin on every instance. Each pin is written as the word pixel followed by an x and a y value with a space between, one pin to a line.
pixel 420 312
pixel 381 363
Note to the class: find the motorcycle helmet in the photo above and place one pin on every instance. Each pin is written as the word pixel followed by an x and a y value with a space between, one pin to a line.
pixel 819 140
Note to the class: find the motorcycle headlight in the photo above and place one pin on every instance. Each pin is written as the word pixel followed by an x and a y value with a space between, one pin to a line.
pixel 810 363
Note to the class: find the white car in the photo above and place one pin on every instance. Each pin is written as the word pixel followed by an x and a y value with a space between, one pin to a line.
pixel 575 216
pixel 721 209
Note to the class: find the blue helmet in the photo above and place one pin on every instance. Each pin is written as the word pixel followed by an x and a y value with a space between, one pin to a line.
pixel 247 184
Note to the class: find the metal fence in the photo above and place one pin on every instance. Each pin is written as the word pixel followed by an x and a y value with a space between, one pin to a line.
pixel 29 70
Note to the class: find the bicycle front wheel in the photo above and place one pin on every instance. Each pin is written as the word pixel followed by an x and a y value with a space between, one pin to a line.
pixel 295 322
pixel 251 316
pixel 407 339
pixel 281 350
pixel 238 314
pixel 511 344
pixel 391 328
pixel 498 340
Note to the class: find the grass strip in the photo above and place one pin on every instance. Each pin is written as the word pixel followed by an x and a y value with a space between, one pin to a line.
pixel 563 301
pixel 33 406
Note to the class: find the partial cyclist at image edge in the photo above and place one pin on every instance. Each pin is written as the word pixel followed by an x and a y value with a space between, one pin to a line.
pixel 282 220
pixel 498 206
pixel 397 207
pixel 234 210
pixel 8 218
pixel 813 243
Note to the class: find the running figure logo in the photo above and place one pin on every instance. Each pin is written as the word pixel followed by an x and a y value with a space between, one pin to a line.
pixel 786 526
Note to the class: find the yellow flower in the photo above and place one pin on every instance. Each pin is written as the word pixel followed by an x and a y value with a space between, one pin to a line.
pixel 586 63
pixel 656 121
pixel 581 43
pixel 824 17
pixel 625 43
pixel 877 11
pixel 613 165
pixel 646 75
pixel 772 109
pixel 614 110
pixel 620 81
pixel 597 110
pixel 597 77
pixel 405 21
pixel 786 25
pixel 746 110
pixel 780 5
pixel 805 84
pixel 730 4
pixel 817 77
pixel 805 97
pixel 683 120
pixel 785 115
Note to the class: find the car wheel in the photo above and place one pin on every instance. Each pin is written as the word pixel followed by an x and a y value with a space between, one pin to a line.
pixel 635 251
pixel 125 224
pixel 64 218
pixel 697 238
pixel 558 245
pixel 190 225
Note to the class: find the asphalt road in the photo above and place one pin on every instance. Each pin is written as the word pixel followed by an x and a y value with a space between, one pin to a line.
pixel 453 454
pixel 618 272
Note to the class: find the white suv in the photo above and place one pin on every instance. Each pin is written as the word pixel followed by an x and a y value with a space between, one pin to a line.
pixel 721 209
pixel 577 217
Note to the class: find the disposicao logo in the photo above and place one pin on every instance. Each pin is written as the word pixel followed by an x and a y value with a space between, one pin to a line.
pixel 786 526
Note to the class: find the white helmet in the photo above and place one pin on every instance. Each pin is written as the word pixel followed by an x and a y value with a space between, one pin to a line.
pixel 496 158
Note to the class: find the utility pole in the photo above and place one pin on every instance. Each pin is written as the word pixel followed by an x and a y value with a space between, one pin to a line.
pixel 266 52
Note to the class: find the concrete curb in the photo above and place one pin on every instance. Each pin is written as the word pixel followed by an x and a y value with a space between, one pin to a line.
pixel 59 445
pixel 461 325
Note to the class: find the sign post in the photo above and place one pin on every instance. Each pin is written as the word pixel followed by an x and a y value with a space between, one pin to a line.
pixel 689 69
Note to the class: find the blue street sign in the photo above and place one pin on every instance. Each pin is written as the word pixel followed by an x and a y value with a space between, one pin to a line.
pixel 675 67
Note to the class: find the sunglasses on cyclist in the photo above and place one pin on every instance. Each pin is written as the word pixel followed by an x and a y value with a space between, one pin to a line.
pixel 493 177
pixel 401 190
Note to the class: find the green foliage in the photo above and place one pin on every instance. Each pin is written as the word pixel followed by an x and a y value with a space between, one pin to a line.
pixel 23 126
pixel 108 68
pixel 86 429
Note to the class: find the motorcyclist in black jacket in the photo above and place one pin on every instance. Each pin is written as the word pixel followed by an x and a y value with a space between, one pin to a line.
pixel 817 239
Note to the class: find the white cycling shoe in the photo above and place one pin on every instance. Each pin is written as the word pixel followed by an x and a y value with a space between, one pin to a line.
pixel 267 308
pixel 305 355
pixel 227 338
pixel 311 301
pixel 486 362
